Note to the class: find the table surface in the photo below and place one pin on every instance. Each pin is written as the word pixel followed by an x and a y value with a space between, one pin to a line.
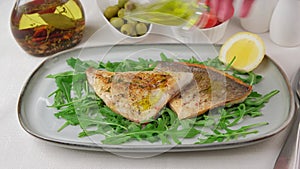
pixel 20 150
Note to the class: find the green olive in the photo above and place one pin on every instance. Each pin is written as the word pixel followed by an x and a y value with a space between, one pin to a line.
pixel 127 29
pixel 121 13
pixel 141 28
pixel 134 34
pixel 121 3
pixel 111 11
pixel 132 22
pixel 129 6
pixel 117 22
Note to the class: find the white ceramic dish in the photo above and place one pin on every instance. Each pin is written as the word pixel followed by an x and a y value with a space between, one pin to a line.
pixel 208 35
pixel 103 4
pixel 38 120
pixel 216 33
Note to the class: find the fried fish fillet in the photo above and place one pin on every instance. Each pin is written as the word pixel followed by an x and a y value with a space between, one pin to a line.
pixel 137 96
pixel 210 89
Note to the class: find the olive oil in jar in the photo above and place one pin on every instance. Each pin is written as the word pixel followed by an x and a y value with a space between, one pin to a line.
pixel 45 27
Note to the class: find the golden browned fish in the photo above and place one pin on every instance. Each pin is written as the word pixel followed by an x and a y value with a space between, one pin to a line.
pixel 210 89
pixel 137 96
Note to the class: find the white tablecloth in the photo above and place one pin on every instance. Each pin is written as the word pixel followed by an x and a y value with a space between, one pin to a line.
pixel 20 150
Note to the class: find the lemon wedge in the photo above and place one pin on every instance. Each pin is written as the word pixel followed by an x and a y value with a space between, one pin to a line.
pixel 244 51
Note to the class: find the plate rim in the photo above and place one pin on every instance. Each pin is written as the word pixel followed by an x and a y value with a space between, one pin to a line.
pixel 151 148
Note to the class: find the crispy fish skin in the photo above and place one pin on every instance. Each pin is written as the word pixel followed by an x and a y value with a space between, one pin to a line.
pixel 137 96
pixel 211 88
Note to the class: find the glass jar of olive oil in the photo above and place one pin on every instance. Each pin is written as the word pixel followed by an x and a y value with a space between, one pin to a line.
pixel 45 27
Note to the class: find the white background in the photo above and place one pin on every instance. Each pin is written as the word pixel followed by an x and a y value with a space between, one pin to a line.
pixel 19 150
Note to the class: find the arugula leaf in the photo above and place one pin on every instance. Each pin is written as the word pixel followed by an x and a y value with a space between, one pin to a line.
pixel 81 66
pixel 229 134
pixel 129 65
pixel 64 85
pixel 260 100
pixel 248 77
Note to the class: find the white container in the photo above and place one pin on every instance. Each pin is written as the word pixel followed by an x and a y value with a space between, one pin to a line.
pixel 259 17
pixel 208 35
pixel 285 23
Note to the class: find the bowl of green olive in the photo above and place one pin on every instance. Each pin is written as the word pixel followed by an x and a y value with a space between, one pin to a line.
pixel 113 12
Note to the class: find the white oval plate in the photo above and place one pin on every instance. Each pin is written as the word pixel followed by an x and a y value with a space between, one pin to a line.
pixel 39 121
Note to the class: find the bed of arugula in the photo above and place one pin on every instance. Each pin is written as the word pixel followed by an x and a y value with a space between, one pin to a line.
pixel 76 103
